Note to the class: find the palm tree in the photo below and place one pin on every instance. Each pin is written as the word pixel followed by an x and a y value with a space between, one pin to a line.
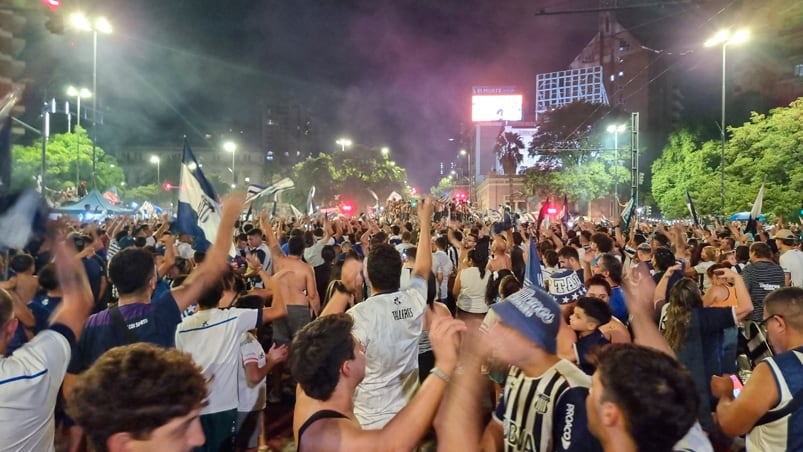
pixel 508 149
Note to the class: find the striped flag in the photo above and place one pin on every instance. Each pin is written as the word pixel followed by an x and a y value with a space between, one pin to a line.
pixel 755 212
pixel 21 215
pixel 692 210
pixel 311 201
pixel 627 215
pixel 532 269
pixel 198 204
pixel 257 191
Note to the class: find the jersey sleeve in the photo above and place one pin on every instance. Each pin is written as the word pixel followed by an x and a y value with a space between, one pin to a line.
pixel 418 289
pixel 247 319
pixel 570 427
pixel 249 349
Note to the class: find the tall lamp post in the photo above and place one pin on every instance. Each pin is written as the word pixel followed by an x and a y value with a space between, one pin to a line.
pixel 155 159
pixel 725 38
pixel 231 146
pixel 470 177
pixel 78 93
pixel 98 24
pixel 616 130
pixel 343 142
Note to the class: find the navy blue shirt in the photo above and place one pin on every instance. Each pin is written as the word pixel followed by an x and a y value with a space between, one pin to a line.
pixel 584 348
pixel 153 322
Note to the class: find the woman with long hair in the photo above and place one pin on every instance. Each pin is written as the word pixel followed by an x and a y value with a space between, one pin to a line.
pixel 471 284
pixel 695 333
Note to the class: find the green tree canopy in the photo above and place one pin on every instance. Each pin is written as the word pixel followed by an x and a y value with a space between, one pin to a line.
pixel 61 163
pixel 576 154
pixel 768 149
pixel 348 175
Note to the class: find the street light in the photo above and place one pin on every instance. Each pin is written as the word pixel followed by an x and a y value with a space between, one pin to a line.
pixel 155 159
pixel 78 93
pixel 385 151
pixel 616 130
pixel 343 142
pixel 231 146
pixel 99 24
pixel 725 38
pixel 467 154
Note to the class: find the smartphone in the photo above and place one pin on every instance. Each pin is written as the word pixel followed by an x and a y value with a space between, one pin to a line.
pixel 737 386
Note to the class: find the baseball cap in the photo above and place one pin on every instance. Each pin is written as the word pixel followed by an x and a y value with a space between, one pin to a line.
pixel 566 287
pixel 534 313
pixel 784 234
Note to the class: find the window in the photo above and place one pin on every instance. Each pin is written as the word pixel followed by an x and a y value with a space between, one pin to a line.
pixel 799 70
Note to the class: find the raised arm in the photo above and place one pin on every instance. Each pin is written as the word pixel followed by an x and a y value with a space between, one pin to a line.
pixel 744 306
pixel 216 263
pixel 638 287
pixel 423 258
pixel 281 293
pixel 170 254
pixel 76 299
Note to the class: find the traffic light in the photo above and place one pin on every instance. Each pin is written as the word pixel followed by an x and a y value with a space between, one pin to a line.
pixel 52 4
pixel 347 208
pixel 551 210
pixel 167 186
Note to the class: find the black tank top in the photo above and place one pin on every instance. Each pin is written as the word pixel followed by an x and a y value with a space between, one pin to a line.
pixel 318 415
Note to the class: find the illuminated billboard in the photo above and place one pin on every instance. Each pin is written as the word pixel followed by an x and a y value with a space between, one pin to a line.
pixel 491 103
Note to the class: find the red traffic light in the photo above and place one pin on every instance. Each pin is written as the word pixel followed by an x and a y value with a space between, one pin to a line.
pixel 346 208
pixel 52 4
pixel 551 210
pixel 167 186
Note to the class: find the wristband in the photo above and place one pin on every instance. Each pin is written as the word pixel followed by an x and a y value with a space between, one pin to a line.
pixel 439 373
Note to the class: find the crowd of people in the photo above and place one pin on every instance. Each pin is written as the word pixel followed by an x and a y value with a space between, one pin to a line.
pixel 424 327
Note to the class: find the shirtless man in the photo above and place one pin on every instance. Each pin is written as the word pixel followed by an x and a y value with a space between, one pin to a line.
pixel 499 259
pixel 304 300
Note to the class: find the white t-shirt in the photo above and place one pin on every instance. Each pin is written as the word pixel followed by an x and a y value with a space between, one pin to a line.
pixel 29 384
pixel 212 336
pixel 792 262
pixel 251 397
pixel 443 265
pixel 472 290
pixel 389 326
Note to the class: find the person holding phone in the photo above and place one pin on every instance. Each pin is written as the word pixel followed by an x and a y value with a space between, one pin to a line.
pixel 769 409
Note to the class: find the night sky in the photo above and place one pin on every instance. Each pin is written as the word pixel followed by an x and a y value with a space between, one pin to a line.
pixel 382 72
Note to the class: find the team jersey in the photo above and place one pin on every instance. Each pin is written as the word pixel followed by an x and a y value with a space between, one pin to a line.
pixel 546 413
pixel 785 433
pixel 389 326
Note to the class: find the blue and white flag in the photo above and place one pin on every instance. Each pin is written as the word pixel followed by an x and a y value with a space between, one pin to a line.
pixel 257 191
pixel 532 269
pixel 311 201
pixel 755 212
pixel 376 201
pixel 21 215
pixel 627 215
pixel 198 205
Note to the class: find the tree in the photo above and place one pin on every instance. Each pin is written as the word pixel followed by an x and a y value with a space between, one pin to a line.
pixel 444 185
pixel 575 152
pixel 687 164
pixel 348 175
pixel 61 163
pixel 508 149
pixel 765 150
pixel 574 133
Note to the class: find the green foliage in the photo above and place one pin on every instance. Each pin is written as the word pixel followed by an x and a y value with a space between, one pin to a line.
pixel 348 175
pixel 144 193
pixel 576 154
pixel 768 149
pixel 61 163
pixel 574 133
pixel 444 185
pixel 508 149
